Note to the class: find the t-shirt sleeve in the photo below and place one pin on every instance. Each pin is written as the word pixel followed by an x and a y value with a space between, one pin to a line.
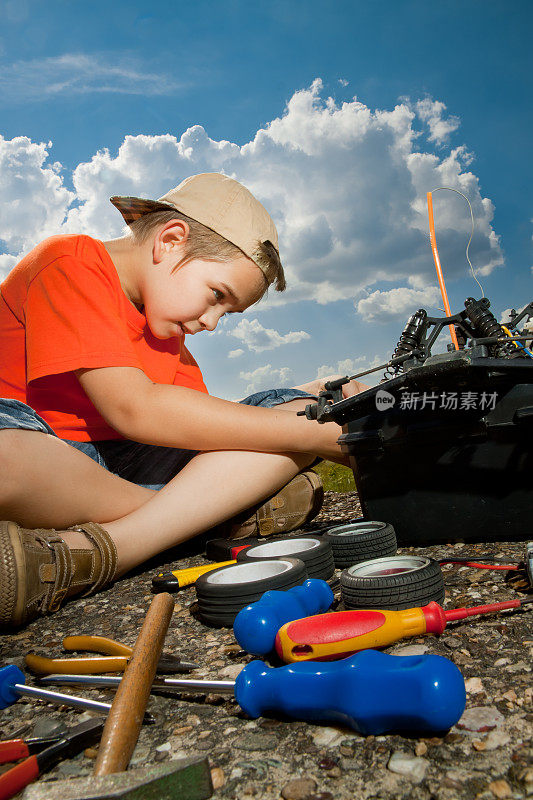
pixel 188 372
pixel 73 321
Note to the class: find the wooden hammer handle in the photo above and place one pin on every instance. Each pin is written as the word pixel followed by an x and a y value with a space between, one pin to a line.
pixel 124 721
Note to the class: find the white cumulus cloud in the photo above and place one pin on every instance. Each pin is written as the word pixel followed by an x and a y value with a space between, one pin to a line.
pixel 235 353
pixel 345 183
pixel 440 127
pixel 266 377
pixel 259 338
pixel 396 303
pixel 33 199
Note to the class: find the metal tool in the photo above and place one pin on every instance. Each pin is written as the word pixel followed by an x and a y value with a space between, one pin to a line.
pixel 342 633
pixel 124 721
pixel 185 778
pixel 12 686
pixel 116 658
pixel 372 692
pixel 41 755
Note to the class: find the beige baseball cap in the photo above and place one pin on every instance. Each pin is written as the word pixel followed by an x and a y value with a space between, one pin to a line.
pixel 216 201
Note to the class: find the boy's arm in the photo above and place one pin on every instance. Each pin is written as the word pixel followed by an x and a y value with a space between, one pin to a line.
pixel 175 416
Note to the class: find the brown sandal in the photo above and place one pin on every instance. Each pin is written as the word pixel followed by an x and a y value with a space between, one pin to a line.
pixel 38 571
pixel 295 504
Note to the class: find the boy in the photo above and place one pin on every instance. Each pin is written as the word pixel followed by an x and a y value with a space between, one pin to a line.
pixel 93 357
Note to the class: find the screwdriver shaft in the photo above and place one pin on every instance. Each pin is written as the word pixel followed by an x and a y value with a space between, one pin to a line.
pixel 222 687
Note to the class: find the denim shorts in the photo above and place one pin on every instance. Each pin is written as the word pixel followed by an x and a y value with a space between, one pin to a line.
pixel 147 465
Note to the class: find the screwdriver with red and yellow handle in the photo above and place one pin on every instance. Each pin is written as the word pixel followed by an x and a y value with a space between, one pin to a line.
pixel 338 634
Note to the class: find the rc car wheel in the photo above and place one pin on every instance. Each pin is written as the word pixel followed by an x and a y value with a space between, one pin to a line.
pixel 312 550
pixel 393 582
pixel 361 541
pixel 223 592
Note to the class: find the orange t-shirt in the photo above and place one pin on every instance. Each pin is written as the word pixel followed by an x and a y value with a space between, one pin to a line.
pixel 63 308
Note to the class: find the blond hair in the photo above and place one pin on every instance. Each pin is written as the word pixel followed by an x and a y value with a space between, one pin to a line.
pixel 204 243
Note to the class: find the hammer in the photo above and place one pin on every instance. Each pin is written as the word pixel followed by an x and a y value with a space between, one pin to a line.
pixel 124 721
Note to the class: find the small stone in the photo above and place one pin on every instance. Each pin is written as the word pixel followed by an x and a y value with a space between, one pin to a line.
pixel 480 719
pixel 298 789
pixel 217 777
pixel 474 686
pixel 501 662
pixel 479 745
pixel 511 696
pixel 335 772
pixel 520 666
pixel 500 789
pixel 204 734
pixel 328 737
pixel 346 751
pixel 421 749
pixel 327 763
pixel 497 739
pixel 256 741
pixel 231 672
pixel 182 730
pixel 411 650
pixel 452 642
pixel 163 748
pixel 90 752
pixel 404 764
pixel 49 726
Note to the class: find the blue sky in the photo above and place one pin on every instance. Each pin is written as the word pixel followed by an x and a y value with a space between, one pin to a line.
pixel 339 115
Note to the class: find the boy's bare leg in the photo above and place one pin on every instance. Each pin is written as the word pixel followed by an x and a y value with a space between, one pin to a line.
pixel 51 484
pixel 46 483
pixel 213 487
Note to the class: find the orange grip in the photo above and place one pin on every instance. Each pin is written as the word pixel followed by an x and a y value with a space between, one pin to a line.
pixel 326 637
pixel 78 666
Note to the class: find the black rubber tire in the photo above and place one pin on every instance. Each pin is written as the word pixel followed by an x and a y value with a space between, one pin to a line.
pixel 238 580
pixel 392 582
pixel 223 592
pixel 312 550
pixel 361 541
pixel 221 549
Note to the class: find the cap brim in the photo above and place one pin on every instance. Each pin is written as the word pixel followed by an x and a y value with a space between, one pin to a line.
pixel 133 208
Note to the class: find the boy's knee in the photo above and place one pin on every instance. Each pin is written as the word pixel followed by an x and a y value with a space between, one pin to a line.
pixel 18 450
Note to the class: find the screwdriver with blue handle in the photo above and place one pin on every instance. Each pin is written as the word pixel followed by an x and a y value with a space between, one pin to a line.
pixel 371 692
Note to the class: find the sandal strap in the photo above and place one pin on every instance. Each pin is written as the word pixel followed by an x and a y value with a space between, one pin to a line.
pixel 108 555
pixel 58 574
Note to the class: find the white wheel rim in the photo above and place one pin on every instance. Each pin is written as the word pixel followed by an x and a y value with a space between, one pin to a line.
pixel 356 528
pixel 246 573
pixel 283 547
pixel 393 565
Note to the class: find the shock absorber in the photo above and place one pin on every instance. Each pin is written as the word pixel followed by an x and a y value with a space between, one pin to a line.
pixel 485 324
pixel 409 340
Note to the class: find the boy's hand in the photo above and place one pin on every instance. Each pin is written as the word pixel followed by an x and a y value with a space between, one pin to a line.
pixel 348 390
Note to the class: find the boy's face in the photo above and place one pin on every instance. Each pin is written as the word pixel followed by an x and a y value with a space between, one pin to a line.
pixel 194 297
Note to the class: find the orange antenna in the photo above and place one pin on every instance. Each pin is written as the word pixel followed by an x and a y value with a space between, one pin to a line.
pixel 438 267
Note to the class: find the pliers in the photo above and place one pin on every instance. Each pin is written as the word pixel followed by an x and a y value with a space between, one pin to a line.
pixel 115 658
pixel 41 754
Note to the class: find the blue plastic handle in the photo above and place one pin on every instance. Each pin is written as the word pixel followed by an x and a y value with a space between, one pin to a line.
pixel 255 626
pixel 8 677
pixel 371 691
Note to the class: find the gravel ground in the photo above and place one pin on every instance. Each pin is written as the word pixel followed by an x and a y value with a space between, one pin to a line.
pixel 486 755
